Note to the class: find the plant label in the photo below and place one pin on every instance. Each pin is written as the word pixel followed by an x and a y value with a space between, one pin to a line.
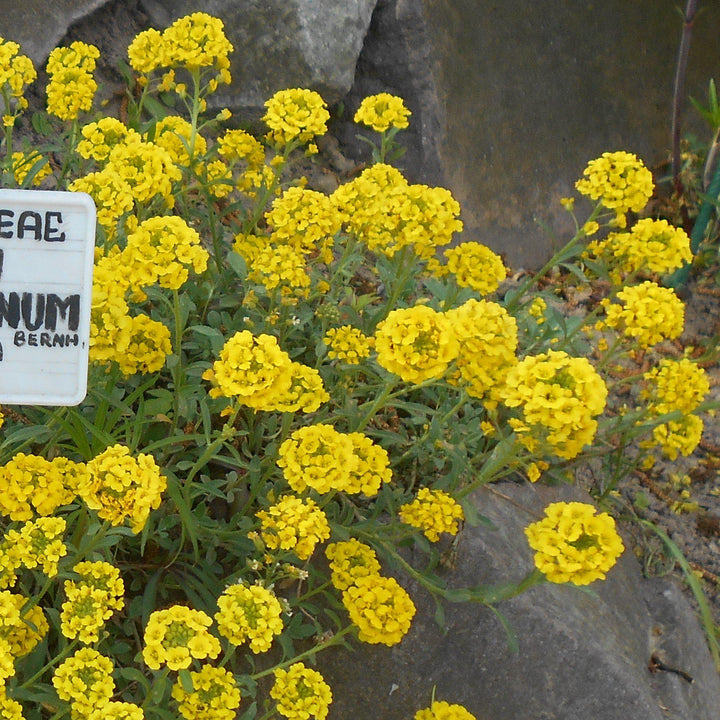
pixel 47 245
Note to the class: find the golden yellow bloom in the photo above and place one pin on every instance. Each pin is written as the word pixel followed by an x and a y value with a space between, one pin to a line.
pixel 433 512
pixel 249 613
pixel 348 344
pixel 619 180
pixel 124 487
pixel 441 710
pixel 381 609
pixel 85 680
pixel 295 115
pixel 350 560
pixel 111 193
pixel 647 313
pixel 558 397
pixel 300 693
pixel 70 91
pixel 573 544
pixel 382 111
pixel 16 73
pixel 176 635
pixel 476 266
pixel 24 164
pixel 214 695
pixel 295 525
pixel 416 343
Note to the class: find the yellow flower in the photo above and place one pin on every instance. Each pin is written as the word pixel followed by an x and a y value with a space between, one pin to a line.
pixel 253 370
pixel 441 710
pixel 619 180
pixel 381 609
pixel 249 613
pixel 214 696
pixel 300 693
pixel 476 266
pixel 350 560
pixel 24 164
pixel 85 680
pixel 573 544
pixel 294 525
pixel 295 115
pixel 176 635
pixel 647 313
pixel 558 397
pixel 433 512
pixel 349 344
pixel 416 343
pixel 124 487
pixel 382 111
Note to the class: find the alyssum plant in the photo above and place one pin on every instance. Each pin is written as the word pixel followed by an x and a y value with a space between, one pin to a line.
pixel 287 388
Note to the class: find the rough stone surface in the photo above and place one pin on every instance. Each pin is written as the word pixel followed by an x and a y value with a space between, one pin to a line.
pixel 282 43
pixel 514 98
pixel 583 653
pixel 38 25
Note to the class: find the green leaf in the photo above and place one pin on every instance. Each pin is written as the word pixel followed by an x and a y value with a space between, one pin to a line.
pixel 186 680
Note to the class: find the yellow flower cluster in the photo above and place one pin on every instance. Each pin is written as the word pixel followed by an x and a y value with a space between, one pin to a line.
pixel 295 115
pixel 162 250
pixel 647 313
pixel 573 544
pixel 323 459
pixel 16 73
pixel 300 693
pixel 306 220
pixel 100 137
pixel 619 181
pixel 382 111
pixel 71 87
pixel 476 266
pixel 348 344
pixel 20 631
pixel 111 193
pixel 37 544
pixel 31 481
pixel 651 246
pixel 117 710
pixel 294 525
pixel 558 396
pixel 25 164
pixel 194 42
pixel 350 560
pixel 387 213
pixel 279 267
pixel 416 343
pixel 380 608
pixel 433 512
pixel 136 343
pixel 256 372
pixel 10 709
pixel 91 600
pixel 85 681
pixel 676 385
pixel 176 635
pixel 124 487
pixel 441 710
pixel 487 341
pixel 147 168
pixel 249 613
pixel 214 696
pixel 175 134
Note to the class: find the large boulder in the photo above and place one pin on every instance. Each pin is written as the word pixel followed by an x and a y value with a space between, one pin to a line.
pixel 281 44
pixel 511 99
pixel 583 653
pixel 39 25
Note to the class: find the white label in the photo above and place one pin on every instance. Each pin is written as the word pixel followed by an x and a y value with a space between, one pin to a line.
pixel 47 243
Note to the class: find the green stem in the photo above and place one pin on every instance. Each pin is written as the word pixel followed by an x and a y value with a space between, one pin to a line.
pixel 60 656
pixel 334 640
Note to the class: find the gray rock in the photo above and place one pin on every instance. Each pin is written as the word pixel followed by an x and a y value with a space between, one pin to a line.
pixel 514 98
pixel 583 653
pixel 39 25
pixel 281 44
